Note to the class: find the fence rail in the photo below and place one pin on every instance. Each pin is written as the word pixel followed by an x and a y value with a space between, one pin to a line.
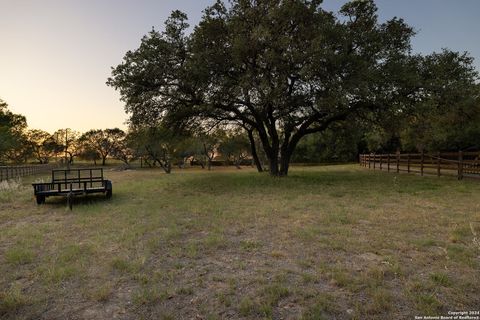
pixel 12 172
pixel 460 163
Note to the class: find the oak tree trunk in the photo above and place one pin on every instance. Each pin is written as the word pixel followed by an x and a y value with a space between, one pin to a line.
pixel 254 151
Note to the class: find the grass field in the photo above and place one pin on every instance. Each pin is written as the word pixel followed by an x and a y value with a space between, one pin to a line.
pixel 335 242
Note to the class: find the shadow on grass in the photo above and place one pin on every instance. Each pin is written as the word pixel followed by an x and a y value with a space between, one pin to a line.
pixel 252 180
pixel 84 200
pixel 326 179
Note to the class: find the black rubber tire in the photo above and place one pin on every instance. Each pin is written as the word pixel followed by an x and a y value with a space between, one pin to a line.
pixel 40 199
pixel 109 188
pixel 70 200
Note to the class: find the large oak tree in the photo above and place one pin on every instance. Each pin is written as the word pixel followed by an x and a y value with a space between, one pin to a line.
pixel 279 69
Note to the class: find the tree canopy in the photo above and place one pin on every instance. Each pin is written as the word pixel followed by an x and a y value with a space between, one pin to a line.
pixel 12 139
pixel 42 145
pixel 103 142
pixel 285 69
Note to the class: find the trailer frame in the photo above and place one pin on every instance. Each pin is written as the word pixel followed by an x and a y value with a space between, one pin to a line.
pixel 73 182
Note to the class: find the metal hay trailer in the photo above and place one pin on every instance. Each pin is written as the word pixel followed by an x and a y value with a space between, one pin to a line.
pixel 71 183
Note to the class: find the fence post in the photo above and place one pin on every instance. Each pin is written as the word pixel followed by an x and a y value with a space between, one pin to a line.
pixel 374 160
pixel 421 162
pixel 460 165
pixel 438 164
pixel 388 162
pixel 408 162
pixel 369 161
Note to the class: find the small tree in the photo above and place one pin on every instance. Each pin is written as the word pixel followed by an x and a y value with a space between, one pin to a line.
pixel 42 145
pixel 68 140
pixel 235 147
pixel 201 145
pixel 160 144
pixel 103 141
pixel 126 149
pixel 89 153
pixel 209 142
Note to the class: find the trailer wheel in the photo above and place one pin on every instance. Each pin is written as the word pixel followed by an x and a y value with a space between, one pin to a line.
pixel 40 199
pixel 109 188
pixel 70 200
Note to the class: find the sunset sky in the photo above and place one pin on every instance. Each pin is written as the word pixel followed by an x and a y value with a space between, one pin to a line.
pixel 55 55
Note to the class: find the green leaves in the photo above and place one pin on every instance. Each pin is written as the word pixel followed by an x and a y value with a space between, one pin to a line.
pixel 99 143
pixel 12 135
pixel 284 69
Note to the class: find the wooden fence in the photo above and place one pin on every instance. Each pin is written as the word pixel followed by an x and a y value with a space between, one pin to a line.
pixel 460 164
pixel 12 172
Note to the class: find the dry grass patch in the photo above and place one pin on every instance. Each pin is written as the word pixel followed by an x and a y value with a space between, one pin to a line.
pixel 326 242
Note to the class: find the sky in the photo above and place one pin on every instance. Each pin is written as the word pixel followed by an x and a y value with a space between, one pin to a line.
pixel 56 55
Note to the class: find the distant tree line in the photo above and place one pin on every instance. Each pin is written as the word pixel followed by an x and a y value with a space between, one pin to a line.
pixel 451 127
pixel 154 146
